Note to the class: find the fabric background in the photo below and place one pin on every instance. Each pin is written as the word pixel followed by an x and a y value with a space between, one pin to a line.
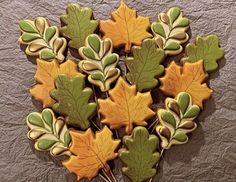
pixel 210 155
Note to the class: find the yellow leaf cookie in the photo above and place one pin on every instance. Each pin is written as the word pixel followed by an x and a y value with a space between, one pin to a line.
pixel 126 28
pixel 91 152
pixel 188 78
pixel 126 107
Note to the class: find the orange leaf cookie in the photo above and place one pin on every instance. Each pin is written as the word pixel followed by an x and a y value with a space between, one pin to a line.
pixel 126 28
pixel 188 78
pixel 125 106
pixel 91 152
pixel 45 75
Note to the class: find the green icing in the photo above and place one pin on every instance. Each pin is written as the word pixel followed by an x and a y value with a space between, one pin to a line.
pixel 172 45
pixel 206 49
pixel 47 54
pixel 36 120
pixel 174 14
pixel 183 23
pixel 94 43
pixel 27 37
pixel 67 139
pixel 50 32
pixel 97 76
pixel 78 24
pixel 192 112
pixel 180 136
pixel 73 100
pixel 144 67
pixel 183 100
pixel 111 59
pixel 158 29
pixel 26 26
pixel 45 144
pixel 88 53
pixel 140 156
pixel 169 118
pixel 47 117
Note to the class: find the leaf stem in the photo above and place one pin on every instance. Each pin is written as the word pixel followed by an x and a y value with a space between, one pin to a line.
pixel 125 69
pixel 105 174
pixel 48 44
pixel 95 125
pixel 107 94
pixel 156 123
pixel 104 179
pixel 96 100
pixel 113 176
pixel 161 154
pixel 117 133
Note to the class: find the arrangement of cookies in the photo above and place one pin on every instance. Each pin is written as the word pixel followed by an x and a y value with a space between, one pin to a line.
pixel 98 107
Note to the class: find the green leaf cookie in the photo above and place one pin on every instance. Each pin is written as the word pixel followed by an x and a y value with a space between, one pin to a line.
pixel 140 156
pixel 73 100
pixel 42 40
pixel 170 31
pixel 49 133
pixel 78 24
pixel 176 120
pixel 206 49
pixel 144 67
pixel 99 62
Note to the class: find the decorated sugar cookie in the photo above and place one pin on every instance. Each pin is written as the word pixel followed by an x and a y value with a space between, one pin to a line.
pixel 145 65
pixel 170 31
pixel 91 152
pixel 206 49
pixel 75 18
pixel 99 62
pixel 140 143
pixel 125 107
pixel 73 100
pixel 42 39
pixel 177 120
pixel 190 78
pixel 49 132
pixel 126 28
